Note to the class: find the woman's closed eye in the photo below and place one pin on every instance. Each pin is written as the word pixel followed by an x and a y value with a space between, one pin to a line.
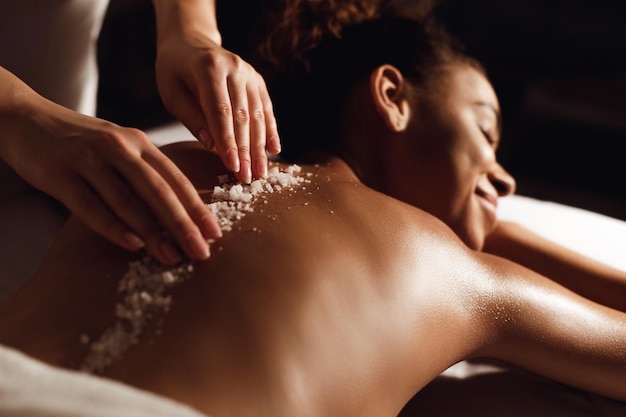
pixel 490 136
pixel 488 121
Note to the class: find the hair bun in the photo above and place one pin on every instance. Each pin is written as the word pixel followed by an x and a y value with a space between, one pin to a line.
pixel 303 24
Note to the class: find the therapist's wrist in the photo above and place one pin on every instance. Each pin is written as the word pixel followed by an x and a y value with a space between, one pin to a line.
pixel 177 19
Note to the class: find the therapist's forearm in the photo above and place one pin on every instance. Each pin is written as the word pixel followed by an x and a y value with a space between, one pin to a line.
pixel 16 100
pixel 179 18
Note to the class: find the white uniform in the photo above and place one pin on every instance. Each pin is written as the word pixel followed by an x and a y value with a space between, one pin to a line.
pixel 50 45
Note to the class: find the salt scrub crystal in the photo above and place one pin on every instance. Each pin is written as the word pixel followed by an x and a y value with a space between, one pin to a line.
pixel 144 287
pixel 230 202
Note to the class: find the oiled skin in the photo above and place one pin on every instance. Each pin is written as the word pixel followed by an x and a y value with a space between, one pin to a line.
pixel 334 300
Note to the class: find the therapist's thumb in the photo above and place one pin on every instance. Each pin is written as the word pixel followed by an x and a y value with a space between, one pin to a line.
pixel 187 110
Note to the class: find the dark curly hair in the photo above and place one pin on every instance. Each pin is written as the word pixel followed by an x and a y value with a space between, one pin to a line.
pixel 320 49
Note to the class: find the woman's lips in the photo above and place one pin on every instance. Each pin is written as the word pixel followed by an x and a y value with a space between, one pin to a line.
pixel 489 202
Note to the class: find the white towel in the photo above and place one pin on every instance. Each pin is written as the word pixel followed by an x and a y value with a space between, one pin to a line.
pixel 30 388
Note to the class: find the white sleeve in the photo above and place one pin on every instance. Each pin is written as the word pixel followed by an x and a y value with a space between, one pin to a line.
pixel 51 45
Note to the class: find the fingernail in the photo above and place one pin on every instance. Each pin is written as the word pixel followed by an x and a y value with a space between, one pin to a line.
pixel 172 255
pixel 246 172
pixel 275 141
pixel 133 242
pixel 198 246
pixel 232 159
pixel 205 138
pixel 210 228
pixel 261 168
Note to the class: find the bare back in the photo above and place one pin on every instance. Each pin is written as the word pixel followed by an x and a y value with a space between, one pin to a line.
pixel 329 300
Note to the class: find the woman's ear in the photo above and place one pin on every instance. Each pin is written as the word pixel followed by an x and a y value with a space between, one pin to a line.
pixel 388 88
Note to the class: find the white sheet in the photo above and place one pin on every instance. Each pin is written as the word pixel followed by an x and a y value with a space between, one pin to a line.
pixel 597 236
pixel 29 388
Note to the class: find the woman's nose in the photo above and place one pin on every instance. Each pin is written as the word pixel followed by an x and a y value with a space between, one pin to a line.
pixel 503 182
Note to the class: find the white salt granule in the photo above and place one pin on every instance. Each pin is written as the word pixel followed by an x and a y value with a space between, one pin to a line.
pixel 144 288
pixel 230 202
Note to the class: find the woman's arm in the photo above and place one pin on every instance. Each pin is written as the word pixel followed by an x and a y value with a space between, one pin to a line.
pixel 112 177
pixel 545 328
pixel 218 96
pixel 585 276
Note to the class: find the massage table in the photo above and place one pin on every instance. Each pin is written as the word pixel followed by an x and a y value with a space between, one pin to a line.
pixel 29 388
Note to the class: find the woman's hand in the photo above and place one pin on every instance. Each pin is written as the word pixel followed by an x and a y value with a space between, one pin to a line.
pixel 111 177
pixel 221 99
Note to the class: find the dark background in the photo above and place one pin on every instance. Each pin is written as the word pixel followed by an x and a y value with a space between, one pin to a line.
pixel 559 68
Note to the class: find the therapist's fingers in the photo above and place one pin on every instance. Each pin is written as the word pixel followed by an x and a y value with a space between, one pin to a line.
pixel 131 182
pixel 197 77
pixel 241 125
pixel 258 131
pixel 190 114
pixel 186 194
pixel 173 202
pixel 272 138
pixel 80 198
pixel 216 105
pixel 118 182
pixel 239 116
pixel 125 208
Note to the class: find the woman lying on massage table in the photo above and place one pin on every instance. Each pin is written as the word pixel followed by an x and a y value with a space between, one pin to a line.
pixel 342 296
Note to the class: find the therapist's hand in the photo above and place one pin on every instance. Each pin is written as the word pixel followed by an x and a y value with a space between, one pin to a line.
pixel 221 99
pixel 114 179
